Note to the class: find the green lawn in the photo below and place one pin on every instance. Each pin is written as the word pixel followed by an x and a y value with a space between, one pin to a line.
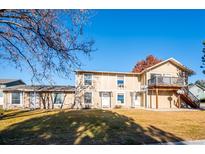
pixel 118 126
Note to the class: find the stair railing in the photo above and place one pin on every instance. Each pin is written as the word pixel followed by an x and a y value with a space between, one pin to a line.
pixel 192 97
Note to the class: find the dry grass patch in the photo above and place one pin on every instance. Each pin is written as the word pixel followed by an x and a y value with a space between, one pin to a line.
pixel 188 125
pixel 117 126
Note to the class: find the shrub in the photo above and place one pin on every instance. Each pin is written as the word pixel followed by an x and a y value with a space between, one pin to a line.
pixel 118 106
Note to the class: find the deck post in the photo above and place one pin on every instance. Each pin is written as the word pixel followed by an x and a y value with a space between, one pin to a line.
pixel 156 98
pixel 151 99
pixel 179 100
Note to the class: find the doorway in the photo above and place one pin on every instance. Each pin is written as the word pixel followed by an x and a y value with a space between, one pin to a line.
pixel 135 100
pixel 105 98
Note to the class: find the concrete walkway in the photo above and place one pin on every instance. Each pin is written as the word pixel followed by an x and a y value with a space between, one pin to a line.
pixel 196 142
pixel 173 110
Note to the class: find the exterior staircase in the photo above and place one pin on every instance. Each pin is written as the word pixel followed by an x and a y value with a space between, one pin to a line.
pixel 190 99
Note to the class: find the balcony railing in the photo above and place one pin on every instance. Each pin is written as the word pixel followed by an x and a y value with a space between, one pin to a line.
pixel 163 81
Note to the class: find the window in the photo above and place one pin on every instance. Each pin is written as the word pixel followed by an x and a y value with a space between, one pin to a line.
pixel 58 98
pixel 88 98
pixel 120 98
pixel 15 98
pixel 1 94
pixel 87 79
pixel 2 86
pixel 120 81
pixel 167 75
pixel 153 75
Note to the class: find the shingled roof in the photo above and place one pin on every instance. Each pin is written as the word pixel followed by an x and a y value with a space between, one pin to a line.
pixel 5 81
pixel 40 88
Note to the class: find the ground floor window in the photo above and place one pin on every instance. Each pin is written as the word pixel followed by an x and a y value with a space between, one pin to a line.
pixel 1 94
pixel 58 98
pixel 120 98
pixel 88 98
pixel 16 98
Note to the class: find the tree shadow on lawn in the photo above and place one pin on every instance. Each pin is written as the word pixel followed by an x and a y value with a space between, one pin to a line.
pixel 23 113
pixel 83 127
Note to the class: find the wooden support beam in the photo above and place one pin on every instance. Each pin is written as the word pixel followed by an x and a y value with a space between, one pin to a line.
pixel 179 100
pixel 156 98
pixel 151 99
pixel 165 89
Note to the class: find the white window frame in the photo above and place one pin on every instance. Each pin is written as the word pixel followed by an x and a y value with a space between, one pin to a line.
pixel 84 79
pixel 117 98
pixel 167 75
pixel 21 99
pixel 156 74
pixel 91 98
pixel 1 92
pixel 62 97
pixel 2 86
pixel 117 80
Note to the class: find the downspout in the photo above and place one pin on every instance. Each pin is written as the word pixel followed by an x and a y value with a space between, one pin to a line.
pixel 146 92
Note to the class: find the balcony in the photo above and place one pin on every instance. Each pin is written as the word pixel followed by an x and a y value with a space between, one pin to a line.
pixel 166 81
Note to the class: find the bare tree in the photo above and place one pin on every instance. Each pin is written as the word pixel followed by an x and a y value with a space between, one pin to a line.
pixel 46 42
pixel 63 102
pixel 79 94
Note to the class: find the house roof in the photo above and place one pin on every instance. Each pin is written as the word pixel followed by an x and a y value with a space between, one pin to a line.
pixel 6 81
pixel 172 60
pixel 106 72
pixel 40 88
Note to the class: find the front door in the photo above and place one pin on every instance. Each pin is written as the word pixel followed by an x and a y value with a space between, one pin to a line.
pixel 135 100
pixel 106 100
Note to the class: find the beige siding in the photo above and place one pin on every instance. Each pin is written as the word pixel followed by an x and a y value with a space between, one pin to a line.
pixel 103 81
pixel 167 68
pixel 166 99
pixel 107 82
pixel 25 101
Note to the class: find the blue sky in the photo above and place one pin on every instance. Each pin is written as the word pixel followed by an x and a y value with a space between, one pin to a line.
pixel 122 37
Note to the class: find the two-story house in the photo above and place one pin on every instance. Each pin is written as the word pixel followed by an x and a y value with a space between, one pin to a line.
pixel 163 85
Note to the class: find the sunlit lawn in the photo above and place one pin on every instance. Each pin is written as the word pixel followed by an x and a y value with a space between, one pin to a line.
pixel 118 126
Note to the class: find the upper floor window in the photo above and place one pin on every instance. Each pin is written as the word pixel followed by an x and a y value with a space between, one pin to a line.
pixel 153 75
pixel 15 98
pixel 120 81
pixel 88 98
pixel 87 79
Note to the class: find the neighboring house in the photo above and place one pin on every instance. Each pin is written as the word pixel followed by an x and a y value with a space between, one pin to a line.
pixel 198 91
pixel 7 83
pixel 163 85
pixel 42 96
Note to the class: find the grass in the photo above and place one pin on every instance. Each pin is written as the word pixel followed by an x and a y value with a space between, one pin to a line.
pixel 119 126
